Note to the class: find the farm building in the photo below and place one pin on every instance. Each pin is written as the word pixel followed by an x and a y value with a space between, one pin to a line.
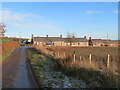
pixel 59 41
pixel 105 42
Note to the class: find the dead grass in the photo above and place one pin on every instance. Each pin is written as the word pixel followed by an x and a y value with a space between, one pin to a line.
pixel 7 49
pixel 95 74
pixel 99 56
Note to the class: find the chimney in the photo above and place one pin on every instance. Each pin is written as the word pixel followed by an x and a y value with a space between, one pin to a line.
pixel 89 38
pixel 90 42
pixel 84 36
pixel 47 36
pixel 32 39
pixel 60 36
pixel 32 36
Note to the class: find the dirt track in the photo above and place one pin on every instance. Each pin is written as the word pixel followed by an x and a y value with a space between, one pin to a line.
pixel 15 73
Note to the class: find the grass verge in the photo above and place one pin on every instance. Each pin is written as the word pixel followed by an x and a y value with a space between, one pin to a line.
pixel 33 57
pixel 46 74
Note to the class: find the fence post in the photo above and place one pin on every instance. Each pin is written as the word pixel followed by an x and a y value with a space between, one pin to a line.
pixel 58 54
pixel 90 58
pixel 64 54
pixel 74 57
pixel 108 60
pixel 80 58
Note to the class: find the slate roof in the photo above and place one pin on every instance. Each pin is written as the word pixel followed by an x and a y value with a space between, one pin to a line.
pixel 58 39
pixel 48 39
pixel 43 39
pixel 105 41
pixel 81 40
pixel 77 39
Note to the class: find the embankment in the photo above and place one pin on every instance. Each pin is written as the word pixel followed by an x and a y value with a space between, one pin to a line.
pixel 7 48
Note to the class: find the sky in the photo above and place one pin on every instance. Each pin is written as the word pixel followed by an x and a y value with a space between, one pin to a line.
pixel 60 0
pixel 91 19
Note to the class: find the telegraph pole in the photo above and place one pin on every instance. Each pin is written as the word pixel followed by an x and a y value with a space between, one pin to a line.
pixel 107 39
pixel 107 36
pixel 19 37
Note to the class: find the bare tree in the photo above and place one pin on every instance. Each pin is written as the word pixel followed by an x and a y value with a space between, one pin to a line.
pixel 70 37
pixel 2 31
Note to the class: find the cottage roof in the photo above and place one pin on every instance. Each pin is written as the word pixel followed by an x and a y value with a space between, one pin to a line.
pixel 58 39
pixel 38 39
pixel 81 40
pixel 105 41
pixel 55 39
pixel 48 39
pixel 76 39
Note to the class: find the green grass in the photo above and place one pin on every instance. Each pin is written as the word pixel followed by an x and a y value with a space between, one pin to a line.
pixel 36 60
pixel 5 40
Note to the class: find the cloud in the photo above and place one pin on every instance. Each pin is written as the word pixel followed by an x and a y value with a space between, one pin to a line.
pixel 32 26
pixel 29 23
pixel 25 20
pixel 9 16
pixel 93 12
pixel 116 11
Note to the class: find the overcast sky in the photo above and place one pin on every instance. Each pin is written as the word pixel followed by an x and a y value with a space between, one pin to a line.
pixel 95 19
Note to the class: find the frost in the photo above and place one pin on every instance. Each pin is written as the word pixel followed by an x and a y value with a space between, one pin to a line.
pixel 54 79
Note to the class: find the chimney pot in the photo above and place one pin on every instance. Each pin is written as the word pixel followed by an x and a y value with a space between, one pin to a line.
pixel 61 36
pixel 84 36
pixel 32 35
pixel 46 35
pixel 89 38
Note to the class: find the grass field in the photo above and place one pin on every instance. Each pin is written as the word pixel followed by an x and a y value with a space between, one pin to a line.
pixel 99 56
pixel 5 40
pixel 95 74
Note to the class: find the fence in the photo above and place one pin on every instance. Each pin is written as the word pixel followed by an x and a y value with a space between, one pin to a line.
pixel 95 58
pixel 88 58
